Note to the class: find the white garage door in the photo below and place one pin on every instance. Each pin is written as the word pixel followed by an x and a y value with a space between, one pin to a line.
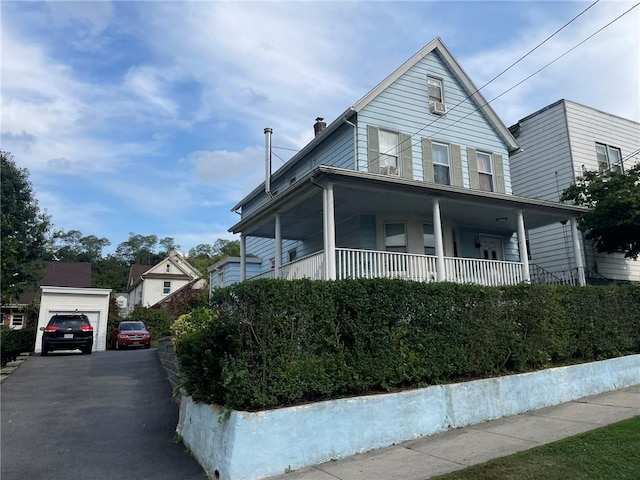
pixel 94 318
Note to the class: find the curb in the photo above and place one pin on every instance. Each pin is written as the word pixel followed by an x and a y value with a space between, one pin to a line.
pixel 12 366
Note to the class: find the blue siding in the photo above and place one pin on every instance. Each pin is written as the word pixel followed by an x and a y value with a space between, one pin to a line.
pixel 404 107
pixel 337 151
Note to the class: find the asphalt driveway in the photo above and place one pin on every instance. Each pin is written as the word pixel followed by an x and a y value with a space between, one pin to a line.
pixel 108 415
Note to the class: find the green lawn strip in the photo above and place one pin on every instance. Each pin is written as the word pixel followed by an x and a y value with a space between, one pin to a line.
pixel 611 452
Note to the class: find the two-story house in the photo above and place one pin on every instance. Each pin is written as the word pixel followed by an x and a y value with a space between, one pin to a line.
pixel 558 143
pixel 149 285
pixel 413 181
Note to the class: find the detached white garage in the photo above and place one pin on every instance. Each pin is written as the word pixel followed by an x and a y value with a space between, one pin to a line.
pixel 93 302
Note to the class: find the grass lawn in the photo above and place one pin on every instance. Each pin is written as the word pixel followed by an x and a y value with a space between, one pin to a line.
pixel 611 452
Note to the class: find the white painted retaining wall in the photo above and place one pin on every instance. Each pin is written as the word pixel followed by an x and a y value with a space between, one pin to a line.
pixel 251 446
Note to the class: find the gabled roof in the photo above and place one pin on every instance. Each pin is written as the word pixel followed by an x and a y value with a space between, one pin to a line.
pixel 135 273
pixel 184 271
pixel 60 274
pixel 436 45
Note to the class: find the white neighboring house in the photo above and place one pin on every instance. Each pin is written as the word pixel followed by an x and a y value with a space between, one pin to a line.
pixel 148 285
pixel 559 143
pixel 93 302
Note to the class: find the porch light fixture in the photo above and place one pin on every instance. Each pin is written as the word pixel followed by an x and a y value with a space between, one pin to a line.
pixel 501 219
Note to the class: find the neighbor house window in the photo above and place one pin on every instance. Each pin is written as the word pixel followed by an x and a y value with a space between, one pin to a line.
pixel 485 172
pixel 389 153
pixel 609 157
pixel 17 320
pixel 166 288
pixel 395 237
pixel 441 163
pixel 435 90
pixel 429 239
pixel 167 268
pixel 292 255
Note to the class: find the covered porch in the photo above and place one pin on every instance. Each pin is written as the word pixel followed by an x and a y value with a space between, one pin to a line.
pixel 340 216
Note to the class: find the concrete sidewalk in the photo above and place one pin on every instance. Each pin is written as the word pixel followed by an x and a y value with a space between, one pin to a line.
pixel 457 449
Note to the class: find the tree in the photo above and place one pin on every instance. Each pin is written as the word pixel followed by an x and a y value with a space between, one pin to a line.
pixel 139 249
pixel 167 244
pixel 24 229
pixel 71 246
pixel 613 219
pixel 204 255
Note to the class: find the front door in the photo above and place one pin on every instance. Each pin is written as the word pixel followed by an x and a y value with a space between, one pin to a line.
pixel 491 248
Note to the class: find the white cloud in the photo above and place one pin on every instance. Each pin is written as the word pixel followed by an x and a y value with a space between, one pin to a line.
pixel 602 73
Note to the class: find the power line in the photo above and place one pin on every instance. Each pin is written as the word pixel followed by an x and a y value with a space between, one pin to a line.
pixel 369 161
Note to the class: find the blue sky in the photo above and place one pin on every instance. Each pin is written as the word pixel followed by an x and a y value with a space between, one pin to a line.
pixel 148 117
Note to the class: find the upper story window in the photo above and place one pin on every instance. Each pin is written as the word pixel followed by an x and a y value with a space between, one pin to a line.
pixel 292 254
pixel 436 96
pixel 395 237
pixel 389 153
pixel 429 239
pixel 441 163
pixel 609 157
pixel 485 172
pixel 436 93
pixel 167 267
pixel 166 288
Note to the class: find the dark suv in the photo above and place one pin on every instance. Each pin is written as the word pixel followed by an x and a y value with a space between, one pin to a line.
pixel 68 332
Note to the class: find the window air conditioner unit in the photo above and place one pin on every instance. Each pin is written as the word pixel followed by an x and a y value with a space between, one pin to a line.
pixel 438 108
pixel 389 170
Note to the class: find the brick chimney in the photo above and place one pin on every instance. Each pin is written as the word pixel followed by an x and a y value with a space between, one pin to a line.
pixel 319 126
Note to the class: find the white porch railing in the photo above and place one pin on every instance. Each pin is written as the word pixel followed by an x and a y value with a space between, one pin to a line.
pixel 483 272
pixel 372 263
pixel 311 266
pixel 355 263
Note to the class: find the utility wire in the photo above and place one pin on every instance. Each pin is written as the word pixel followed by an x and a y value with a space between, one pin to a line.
pixel 512 65
pixel 514 86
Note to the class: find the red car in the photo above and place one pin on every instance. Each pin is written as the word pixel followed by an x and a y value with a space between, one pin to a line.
pixel 130 334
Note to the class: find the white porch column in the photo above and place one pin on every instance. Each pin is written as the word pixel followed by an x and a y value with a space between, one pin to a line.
pixel 243 257
pixel 278 248
pixel 437 231
pixel 577 251
pixel 329 233
pixel 522 243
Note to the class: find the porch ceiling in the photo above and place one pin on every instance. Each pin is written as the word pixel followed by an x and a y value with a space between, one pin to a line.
pixel 359 193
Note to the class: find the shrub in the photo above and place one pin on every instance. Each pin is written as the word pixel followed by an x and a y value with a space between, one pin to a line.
pixel 273 342
pixel 192 322
pixel 15 342
pixel 157 322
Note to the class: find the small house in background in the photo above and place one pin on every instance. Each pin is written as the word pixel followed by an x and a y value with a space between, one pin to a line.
pixel 56 274
pixel 413 181
pixel 122 300
pixel 559 143
pixel 150 285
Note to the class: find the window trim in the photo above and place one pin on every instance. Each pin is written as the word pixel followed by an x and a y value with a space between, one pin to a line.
pixel 607 152
pixel 436 163
pixel 440 81
pixel 491 174
pixel 14 317
pixel 384 236
pixel 424 245
pixel 383 154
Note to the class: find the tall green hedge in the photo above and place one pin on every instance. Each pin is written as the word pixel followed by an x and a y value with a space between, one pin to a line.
pixel 273 343
pixel 15 342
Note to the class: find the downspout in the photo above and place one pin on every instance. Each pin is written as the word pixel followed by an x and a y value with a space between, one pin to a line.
pixel 267 147
pixel 355 143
